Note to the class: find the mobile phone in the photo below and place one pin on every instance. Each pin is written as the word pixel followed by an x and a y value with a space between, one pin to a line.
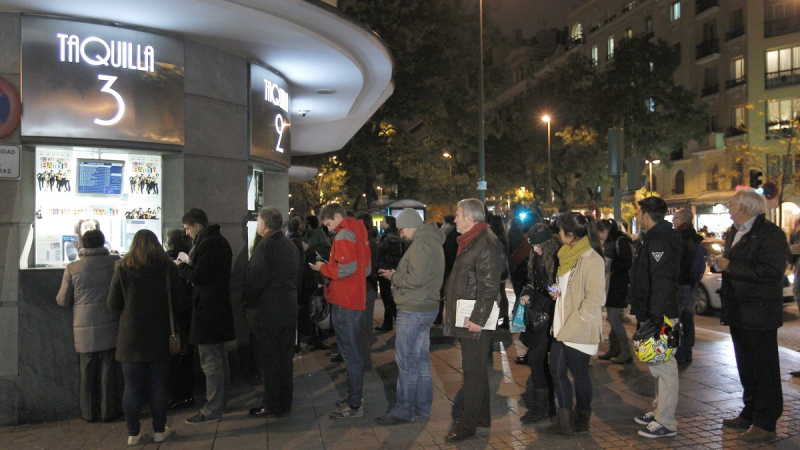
pixel 320 258
pixel 552 289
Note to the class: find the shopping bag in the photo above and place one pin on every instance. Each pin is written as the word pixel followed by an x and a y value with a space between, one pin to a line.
pixel 518 324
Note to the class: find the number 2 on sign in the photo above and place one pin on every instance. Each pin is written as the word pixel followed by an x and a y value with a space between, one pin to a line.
pixel 120 103
pixel 280 125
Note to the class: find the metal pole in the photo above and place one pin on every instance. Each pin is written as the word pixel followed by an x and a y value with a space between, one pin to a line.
pixel 617 200
pixel 549 169
pixel 650 186
pixel 481 163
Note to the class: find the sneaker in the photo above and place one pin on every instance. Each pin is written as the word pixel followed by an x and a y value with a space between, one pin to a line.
pixel 343 401
pixel 388 420
pixel 655 430
pixel 159 437
pixel 134 440
pixel 200 418
pixel 346 412
pixel 645 419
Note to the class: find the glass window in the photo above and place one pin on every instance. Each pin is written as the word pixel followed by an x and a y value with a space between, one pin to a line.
pixel 595 55
pixel 674 11
pixel 648 24
pixel 783 59
pixel 737 68
pixel 577 32
pixel 610 49
pixel 780 114
pixel 679 183
pixel 738 117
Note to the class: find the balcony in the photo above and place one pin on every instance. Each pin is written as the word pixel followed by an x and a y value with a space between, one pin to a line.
pixel 610 19
pixel 781 26
pixel 735 82
pixel 609 57
pixel 575 42
pixel 706 51
pixel 730 35
pixel 713 186
pixel 709 90
pixel 782 78
pixel 704 5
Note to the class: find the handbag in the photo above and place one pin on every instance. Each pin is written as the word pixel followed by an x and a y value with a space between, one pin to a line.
pixel 518 324
pixel 177 340
pixel 537 313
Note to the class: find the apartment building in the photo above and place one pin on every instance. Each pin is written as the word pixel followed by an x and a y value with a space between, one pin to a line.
pixel 741 57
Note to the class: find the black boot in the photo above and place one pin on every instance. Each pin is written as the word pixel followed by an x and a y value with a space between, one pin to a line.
pixel 582 420
pixel 539 409
pixel 564 426
pixel 613 347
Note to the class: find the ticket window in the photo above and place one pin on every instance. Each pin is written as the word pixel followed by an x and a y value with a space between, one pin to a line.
pixel 78 189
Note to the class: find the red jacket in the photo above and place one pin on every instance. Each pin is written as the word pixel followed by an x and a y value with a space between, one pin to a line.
pixel 348 266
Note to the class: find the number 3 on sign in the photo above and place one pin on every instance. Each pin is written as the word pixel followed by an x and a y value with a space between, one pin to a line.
pixel 280 125
pixel 120 103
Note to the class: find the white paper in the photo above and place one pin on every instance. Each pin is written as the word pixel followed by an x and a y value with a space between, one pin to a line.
pixel 464 310
pixel 183 257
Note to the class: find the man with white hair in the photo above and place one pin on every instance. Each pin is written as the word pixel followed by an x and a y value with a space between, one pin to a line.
pixel 752 267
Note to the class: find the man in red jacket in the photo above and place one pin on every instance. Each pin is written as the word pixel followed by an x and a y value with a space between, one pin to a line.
pixel 346 291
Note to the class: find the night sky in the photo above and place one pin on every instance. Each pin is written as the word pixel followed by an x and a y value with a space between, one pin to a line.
pixel 528 15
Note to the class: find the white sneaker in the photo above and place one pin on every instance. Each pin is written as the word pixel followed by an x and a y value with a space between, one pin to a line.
pixel 134 440
pixel 159 437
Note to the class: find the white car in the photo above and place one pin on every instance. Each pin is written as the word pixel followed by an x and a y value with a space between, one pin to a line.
pixel 707 297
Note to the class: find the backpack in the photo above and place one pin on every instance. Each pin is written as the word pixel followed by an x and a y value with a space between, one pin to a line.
pixel 698 266
pixel 319 311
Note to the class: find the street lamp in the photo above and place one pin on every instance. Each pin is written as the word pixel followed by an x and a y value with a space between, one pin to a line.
pixel 546 118
pixel 481 164
pixel 650 166
pixel 381 192
pixel 450 163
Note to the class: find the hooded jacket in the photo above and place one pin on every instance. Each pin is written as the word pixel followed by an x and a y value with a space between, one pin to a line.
pixel 418 279
pixel 348 266
pixel 84 288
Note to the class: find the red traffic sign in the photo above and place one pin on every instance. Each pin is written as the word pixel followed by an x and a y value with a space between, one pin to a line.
pixel 770 190
pixel 10 108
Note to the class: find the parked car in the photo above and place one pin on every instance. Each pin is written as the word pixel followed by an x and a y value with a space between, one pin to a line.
pixel 707 296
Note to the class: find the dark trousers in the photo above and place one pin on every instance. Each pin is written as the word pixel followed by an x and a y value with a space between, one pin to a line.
pixel 367 321
pixel 389 307
pixel 503 303
pixel 760 373
pixel 538 347
pixel 476 381
pixel 181 376
pixel 139 378
pixel 274 350
pixel 98 391
pixel 562 359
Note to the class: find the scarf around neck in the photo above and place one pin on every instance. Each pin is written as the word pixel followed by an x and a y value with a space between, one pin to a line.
pixel 467 237
pixel 568 255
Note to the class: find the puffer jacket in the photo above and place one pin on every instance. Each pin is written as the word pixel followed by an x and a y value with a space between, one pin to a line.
pixel 475 276
pixel 419 275
pixel 84 288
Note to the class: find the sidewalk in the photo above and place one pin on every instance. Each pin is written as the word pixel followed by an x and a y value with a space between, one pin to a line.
pixel 709 389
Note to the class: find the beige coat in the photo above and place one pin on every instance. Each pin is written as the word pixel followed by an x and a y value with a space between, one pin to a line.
pixel 584 300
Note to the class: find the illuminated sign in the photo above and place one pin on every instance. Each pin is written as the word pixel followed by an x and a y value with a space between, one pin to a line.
pixel 270 117
pixel 88 81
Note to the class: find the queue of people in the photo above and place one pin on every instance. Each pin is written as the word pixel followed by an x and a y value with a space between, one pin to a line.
pixel 575 267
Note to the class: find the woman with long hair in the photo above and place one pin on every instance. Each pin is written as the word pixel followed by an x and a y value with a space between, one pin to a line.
pixel 577 320
pixel 618 249
pixel 542 265
pixel 139 292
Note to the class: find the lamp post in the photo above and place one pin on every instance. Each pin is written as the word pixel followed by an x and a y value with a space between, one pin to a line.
pixel 546 118
pixel 650 166
pixel 450 162
pixel 380 189
pixel 481 163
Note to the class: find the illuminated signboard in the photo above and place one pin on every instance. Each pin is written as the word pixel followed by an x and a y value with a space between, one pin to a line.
pixel 87 81
pixel 270 120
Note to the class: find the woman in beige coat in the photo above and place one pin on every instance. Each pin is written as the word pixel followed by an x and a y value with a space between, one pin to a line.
pixel 577 321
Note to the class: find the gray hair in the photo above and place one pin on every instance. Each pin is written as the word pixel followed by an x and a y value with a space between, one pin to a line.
pixel 752 202
pixel 685 215
pixel 473 207
pixel 272 217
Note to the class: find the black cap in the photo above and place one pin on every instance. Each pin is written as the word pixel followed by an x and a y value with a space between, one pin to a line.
pixel 539 234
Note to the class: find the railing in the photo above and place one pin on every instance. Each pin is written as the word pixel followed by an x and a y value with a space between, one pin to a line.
pixel 649 35
pixel 781 26
pixel 707 48
pixel 708 90
pixel 609 57
pixel 628 7
pixel 734 34
pixel 782 78
pixel 575 41
pixel 702 5
pixel 609 19
pixel 735 82
pixel 735 131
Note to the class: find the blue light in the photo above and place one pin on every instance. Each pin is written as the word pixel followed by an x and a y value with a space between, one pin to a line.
pixel 760 191
pixel 523 215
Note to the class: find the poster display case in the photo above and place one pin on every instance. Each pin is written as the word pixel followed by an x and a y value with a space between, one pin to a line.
pixel 78 189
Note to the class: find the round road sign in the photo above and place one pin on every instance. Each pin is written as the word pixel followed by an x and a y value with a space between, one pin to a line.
pixel 770 190
pixel 10 108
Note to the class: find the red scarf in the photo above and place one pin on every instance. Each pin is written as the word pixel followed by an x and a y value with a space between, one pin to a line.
pixel 467 237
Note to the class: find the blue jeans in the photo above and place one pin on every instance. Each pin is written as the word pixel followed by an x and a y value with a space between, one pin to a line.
pixel 138 378
pixel 347 326
pixel 562 359
pixel 412 353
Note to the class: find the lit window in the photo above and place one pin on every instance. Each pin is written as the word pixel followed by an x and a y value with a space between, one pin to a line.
pixel 674 11
pixel 595 55
pixel 610 49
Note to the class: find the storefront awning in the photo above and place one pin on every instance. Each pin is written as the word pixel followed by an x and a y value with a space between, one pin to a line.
pixel 712 197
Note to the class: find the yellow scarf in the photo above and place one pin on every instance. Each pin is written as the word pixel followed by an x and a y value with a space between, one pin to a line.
pixel 568 255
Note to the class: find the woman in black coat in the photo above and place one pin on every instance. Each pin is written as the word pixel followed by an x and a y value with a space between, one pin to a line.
pixel 139 292
pixel 618 251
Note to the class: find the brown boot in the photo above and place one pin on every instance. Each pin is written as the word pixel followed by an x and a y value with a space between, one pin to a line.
pixel 582 420
pixel 625 354
pixel 613 347
pixel 565 424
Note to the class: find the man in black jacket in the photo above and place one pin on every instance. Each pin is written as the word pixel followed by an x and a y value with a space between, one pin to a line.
pixel 270 302
pixel 209 271
pixel 687 287
pixel 390 250
pixel 653 295
pixel 752 267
